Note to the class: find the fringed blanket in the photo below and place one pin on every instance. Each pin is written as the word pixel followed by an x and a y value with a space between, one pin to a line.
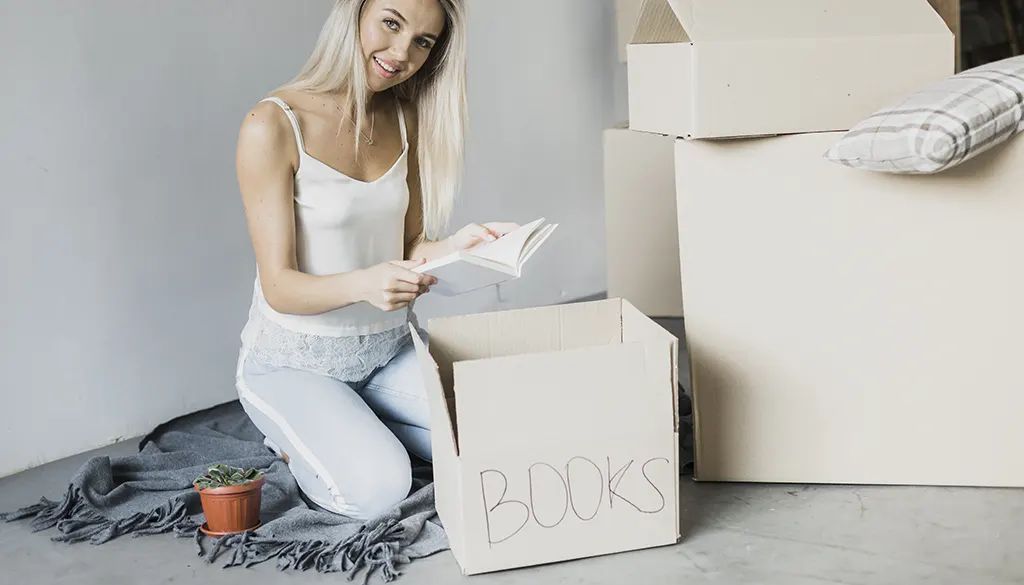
pixel 151 493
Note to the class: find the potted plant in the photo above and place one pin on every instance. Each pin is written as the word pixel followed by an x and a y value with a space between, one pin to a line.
pixel 231 499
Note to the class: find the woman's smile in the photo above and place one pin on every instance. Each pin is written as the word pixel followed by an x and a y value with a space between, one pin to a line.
pixel 386 69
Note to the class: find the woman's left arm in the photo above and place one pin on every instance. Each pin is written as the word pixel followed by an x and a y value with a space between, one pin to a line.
pixel 416 244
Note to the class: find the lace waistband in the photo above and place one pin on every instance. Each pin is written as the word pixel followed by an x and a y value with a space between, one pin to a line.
pixel 349 358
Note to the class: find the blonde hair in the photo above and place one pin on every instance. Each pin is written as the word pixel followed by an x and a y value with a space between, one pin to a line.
pixel 437 91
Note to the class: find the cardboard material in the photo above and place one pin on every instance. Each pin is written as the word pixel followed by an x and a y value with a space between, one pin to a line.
pixel 640 221
pixel 626 14
pixel 724 68
pixel 949 10
pixel 848 326
pixel 554 433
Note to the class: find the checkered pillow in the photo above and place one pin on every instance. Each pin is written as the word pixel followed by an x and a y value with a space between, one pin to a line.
pixel 941 125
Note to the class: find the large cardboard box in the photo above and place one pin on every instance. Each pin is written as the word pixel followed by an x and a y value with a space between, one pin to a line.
pixel 626 14
pixel 642 244
pixel 554 433
pixel 846 326
pixel 722 68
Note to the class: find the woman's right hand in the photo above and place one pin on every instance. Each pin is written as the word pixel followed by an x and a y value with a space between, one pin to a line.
pixel 390 286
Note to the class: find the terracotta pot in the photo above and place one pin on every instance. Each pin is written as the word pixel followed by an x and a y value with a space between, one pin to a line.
pixel 231 509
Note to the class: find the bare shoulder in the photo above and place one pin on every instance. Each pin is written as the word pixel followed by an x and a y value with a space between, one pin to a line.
pixel 266 118
pixel 266 134
pixel 299 101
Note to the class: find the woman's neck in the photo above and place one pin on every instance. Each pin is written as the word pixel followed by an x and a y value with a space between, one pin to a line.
pixel 375 100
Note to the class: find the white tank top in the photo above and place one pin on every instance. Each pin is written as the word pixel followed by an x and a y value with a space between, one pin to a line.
pixel 344 224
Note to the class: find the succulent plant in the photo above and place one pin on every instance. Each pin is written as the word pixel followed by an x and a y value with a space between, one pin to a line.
pixel 221 475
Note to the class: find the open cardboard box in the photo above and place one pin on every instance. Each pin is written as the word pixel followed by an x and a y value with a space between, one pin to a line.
pixel 642 244
pixel 723 68
pixel 847 326
pixel 554 433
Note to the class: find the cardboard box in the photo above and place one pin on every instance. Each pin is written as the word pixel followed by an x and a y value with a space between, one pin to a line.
pixel 846 326
pixel 722 68
pixel 626 14
pixel 640 221
pixel 949 10
pixel 554 433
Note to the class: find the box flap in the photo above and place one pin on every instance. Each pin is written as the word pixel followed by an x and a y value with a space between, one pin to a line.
pixel 626 14
pixel 441 415
pixel 637 327
pixel 666 21
pixel 663 370
pixel 444 444
pixel 658 23
pixel 523 331
pixel 569 398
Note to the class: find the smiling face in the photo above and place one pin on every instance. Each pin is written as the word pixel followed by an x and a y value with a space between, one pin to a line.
pixel 396 37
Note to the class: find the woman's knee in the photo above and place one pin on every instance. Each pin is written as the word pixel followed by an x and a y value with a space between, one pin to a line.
pixel 356 466
pixel 383 481
pixel 416 439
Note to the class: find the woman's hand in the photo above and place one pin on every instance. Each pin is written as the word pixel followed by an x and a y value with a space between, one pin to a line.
pixel 475 234
pixel 390 286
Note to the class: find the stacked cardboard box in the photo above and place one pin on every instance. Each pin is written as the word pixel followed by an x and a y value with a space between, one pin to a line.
pixel 844 326
pixel 641 242
pixel 641 238
pixel 730 68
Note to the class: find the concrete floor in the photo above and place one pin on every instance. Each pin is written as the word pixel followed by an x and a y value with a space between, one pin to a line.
pixel 732 533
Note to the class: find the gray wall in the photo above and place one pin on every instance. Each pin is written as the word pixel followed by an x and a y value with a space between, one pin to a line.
pixel 127 270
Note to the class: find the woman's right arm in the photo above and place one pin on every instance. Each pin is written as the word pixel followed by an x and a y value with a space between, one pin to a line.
pixel 266 160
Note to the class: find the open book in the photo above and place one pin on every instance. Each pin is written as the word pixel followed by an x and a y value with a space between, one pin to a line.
pixel 488 263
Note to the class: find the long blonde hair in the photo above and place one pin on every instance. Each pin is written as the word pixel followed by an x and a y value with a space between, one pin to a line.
pixel 437 91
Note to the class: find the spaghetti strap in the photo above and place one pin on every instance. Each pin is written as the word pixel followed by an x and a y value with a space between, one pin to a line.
pixel 291 118
pixel 401 122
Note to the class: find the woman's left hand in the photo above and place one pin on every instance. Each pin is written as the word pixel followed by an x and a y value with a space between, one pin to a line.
pixel 475 234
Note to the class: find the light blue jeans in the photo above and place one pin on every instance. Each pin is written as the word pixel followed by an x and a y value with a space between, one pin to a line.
pixel 346 442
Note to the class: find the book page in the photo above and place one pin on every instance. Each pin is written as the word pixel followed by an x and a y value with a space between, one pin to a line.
pixel 461 277
pixel 507 249
pixel 534 242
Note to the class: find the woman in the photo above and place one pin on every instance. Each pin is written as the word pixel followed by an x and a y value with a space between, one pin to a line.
pixel 347 174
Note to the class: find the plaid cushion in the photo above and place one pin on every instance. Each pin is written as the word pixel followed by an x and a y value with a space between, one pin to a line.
pixel 942 125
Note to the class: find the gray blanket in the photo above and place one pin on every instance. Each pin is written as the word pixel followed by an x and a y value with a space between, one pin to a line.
pixel 151 493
